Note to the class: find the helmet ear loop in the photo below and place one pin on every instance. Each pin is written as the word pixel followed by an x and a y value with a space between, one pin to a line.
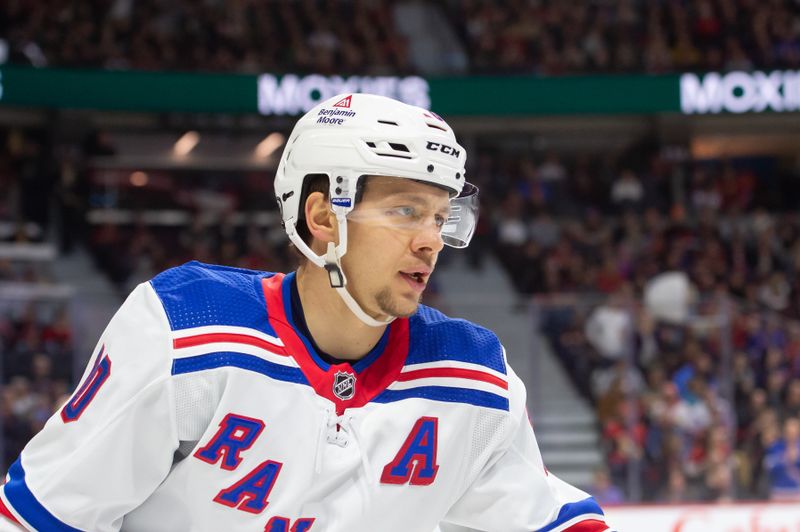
pixel 334 254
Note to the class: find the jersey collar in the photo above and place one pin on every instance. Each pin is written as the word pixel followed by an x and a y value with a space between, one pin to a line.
pixel 346 385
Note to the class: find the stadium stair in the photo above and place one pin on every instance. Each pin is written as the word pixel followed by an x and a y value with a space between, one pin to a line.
pixel 426 28
pixel 93 305
pixel 566 426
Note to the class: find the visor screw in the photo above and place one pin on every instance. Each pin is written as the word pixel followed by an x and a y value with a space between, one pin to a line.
pixel 338 190
pixel 430 168
pixel 339 179
pixel 458 175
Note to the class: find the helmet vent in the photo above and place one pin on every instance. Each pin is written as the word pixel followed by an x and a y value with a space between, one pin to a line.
pixel 387 122
pixel 435 126
pixel 389 149
pixel 394 155
pixel 399 147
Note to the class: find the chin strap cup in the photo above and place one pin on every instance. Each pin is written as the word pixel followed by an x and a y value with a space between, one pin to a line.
pixel 334 268
pixel 335 276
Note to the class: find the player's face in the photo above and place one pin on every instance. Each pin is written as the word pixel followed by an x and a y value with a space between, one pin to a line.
pixel 394 239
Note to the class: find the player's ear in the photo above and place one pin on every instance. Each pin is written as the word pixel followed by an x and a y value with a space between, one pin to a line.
pixel 320 219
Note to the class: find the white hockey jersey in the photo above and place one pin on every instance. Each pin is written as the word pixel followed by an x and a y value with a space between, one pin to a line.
pixel 204 409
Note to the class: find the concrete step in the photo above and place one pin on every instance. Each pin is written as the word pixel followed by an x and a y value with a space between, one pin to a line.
pixel 580 479
pixel 570 459
pixel 551 404
pixel 570 421
pixel 571 440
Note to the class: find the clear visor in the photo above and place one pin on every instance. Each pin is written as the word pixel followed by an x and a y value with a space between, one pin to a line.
pixel 460 225
pixel 418 208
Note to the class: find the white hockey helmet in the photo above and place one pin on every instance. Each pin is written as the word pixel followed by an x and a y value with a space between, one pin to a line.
pixel 351 136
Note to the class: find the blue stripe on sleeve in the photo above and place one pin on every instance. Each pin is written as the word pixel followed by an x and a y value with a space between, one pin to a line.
pixel 446 394
pixel 572 510
pixel 238 360
pixel 26 505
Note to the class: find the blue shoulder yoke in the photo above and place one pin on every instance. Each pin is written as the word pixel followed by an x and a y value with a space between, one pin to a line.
pixel 435 337
pixel 197 295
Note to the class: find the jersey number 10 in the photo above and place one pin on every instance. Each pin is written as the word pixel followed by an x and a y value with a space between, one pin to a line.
pixel 101 371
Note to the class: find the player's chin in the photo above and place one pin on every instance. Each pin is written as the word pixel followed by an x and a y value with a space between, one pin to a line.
pixel 402 305
pixel 411 301
pixel 408 308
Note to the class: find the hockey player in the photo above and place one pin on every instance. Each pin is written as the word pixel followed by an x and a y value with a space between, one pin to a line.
pixel 328 399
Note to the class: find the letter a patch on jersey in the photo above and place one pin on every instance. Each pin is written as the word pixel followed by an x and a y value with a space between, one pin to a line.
pixel 416 460
pixel 77 404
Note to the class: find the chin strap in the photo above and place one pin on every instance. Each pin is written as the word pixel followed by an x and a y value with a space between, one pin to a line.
pixel 332 263
pixel 359 312
pixel 339 283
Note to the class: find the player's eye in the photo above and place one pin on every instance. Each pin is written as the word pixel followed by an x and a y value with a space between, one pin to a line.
pixel 404 211
pixel 440 220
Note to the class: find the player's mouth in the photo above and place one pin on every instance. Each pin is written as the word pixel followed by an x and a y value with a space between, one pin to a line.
pixel 417 278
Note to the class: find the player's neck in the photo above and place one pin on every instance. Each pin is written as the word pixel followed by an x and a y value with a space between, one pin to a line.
pixel 333 326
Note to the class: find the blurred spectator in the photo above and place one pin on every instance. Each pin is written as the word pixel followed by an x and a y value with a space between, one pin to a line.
pixel 676 489
pixel 782 460
pixel 544 229
pixel 791 405
pixel 512 235
pixel 603 490
pixel 775 291
pixel 627 191
pixel 608 329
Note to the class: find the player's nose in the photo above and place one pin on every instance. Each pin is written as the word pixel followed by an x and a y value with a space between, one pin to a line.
pixel 427 238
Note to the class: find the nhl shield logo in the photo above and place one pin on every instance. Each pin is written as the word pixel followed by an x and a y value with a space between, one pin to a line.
pixel 344 385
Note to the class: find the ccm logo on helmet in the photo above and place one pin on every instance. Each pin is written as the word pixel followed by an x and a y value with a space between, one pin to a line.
pixel 444 148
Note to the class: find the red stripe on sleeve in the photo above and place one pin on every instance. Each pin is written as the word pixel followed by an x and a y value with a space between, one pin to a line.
pixel 213 338
pixel 589 525
pixel 5 512
pixel 459 373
